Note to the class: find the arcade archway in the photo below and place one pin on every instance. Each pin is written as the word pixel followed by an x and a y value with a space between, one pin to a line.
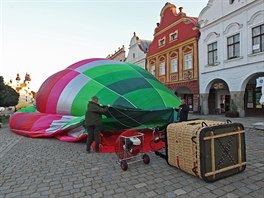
pixel 252 96
pixel 219 97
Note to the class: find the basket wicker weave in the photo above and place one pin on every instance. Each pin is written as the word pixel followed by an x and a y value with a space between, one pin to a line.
pixel 182 147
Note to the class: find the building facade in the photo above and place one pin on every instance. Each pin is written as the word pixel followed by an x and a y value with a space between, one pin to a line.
pixel 231 56
pixel 119 55
pixel 23 88
pixel 137 51
pixel 173 54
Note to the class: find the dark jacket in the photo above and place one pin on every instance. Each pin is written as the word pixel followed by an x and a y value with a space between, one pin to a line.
pixel 184 110
pixel 93 115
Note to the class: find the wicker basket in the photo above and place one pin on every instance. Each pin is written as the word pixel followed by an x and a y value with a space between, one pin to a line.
pixel 184 143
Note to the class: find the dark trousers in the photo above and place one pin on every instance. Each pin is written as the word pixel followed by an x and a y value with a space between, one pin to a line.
pixel 93 135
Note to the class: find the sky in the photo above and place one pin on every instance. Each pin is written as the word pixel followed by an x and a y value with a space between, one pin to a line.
pixel 42 37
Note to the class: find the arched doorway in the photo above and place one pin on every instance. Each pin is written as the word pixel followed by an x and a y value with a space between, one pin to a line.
pixel 219 97
pixel 187 94
pixel 252 97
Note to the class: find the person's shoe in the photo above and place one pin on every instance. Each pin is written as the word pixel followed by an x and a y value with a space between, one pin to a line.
pixel 88 151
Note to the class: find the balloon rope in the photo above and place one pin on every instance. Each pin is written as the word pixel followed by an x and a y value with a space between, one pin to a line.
pixel 126 116
pixel 119 121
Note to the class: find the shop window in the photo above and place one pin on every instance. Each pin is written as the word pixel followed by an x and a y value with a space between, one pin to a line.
pixel 250 100
pixel 189 100
pixel 258 96
pixel 258 39
pixel 233 46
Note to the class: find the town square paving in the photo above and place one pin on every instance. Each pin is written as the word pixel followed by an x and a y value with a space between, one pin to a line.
pixel 43 167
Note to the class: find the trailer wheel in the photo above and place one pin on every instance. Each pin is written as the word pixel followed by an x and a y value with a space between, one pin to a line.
pixel 146 159
pixel 124 165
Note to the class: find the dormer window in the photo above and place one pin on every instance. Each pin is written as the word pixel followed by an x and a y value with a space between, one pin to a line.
pixel 162 42
pixel 174 36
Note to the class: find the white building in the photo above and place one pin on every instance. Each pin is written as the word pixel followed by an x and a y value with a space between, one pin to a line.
pixel 137 51
pixel 231 55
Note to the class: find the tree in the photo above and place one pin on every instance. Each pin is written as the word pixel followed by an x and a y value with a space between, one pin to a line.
pixel 8 96
pixel 2 84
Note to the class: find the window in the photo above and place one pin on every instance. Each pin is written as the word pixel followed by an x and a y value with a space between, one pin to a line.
pixel 162 69
pixel 152 70
pixel 134 55
pixel 174 65
pixel 258 39
pixel 173 36
pixel 188 61
pixel 231 1
pixel 162 42
pixel 233 46
pixel 258 96
pixel 212 53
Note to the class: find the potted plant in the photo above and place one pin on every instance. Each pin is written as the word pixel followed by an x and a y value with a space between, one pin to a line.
pixel 233 110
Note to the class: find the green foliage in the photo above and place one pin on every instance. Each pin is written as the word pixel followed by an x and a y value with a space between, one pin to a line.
pixel 8 96
pixel 233 110
pixel 2 85
pixel 4 119
pixel 233 107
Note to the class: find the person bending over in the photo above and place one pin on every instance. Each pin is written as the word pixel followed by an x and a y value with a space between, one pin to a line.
pixel 93 122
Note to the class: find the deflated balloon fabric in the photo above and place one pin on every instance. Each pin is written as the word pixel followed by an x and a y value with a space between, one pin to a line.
pixel 137 100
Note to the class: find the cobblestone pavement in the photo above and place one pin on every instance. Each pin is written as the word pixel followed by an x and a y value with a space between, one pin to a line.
pixel 51 168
